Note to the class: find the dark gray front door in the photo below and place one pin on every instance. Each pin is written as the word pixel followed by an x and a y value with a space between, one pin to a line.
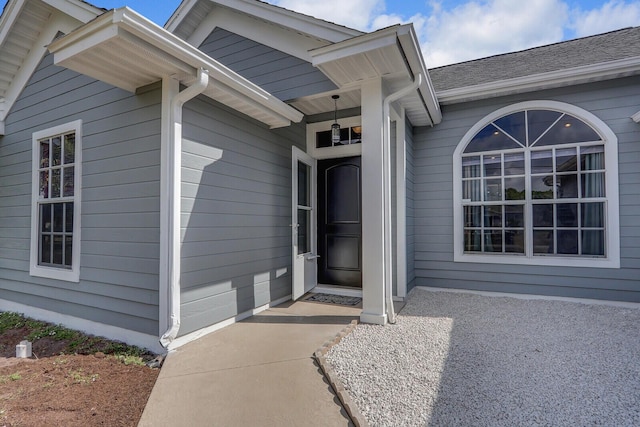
pixel 340 222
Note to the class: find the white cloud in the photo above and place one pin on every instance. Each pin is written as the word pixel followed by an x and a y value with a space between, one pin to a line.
pixel 612 15
pixel 358 14
pixel 477 29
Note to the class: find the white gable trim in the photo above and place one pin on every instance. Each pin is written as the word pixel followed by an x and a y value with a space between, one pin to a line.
pixel 59 23
pixel 258 30
pixel 314 27
pixel 78 9
pixel 636 117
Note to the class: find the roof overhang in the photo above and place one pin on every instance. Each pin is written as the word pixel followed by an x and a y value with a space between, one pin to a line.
pixel 636 117
pixel 128 51
pixel 392 54
pixel 554 79
pixel 26 27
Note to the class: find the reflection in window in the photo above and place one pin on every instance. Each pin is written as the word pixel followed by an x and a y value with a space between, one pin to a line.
pixel 348 136
pixel 56 190
pixel 533 183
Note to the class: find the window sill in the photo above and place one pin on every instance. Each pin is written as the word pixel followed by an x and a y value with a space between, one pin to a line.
pixel 548 261
pixel 55 273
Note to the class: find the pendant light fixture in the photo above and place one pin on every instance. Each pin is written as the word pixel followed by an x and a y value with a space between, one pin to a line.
pixel 335 127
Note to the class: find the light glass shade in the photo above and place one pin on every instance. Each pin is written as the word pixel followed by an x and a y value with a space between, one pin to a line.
pixel 335 133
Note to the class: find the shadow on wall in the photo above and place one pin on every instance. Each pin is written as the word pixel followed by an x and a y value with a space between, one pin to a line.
pixel 233 236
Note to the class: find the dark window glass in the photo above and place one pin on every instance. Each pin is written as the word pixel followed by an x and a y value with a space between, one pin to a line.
pixel 567 214
pixel 514 125
pixel 568 130
pixel 543 215
pixel 490 139
pixel 539 121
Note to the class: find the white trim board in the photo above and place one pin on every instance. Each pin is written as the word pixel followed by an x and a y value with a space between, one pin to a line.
pixel 611 303
pixel 88 326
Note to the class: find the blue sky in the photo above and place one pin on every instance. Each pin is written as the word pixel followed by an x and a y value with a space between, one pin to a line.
pixel 452 30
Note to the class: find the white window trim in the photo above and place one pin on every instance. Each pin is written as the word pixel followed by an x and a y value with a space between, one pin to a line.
pixel 331 152
pixel 612 231
pixel 73 274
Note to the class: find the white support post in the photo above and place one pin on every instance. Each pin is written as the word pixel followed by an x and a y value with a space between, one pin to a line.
pixel 373 244
pixel 401 205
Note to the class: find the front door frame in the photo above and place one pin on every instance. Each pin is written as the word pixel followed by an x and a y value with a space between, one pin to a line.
pixel 304 265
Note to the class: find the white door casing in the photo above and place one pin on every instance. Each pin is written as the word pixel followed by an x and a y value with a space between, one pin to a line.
pixel 303 223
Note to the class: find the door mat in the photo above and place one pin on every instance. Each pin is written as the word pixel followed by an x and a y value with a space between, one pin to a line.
pixel 334 299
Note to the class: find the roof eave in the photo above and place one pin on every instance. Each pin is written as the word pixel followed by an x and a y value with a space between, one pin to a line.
pixel 554 79
pixel 182 59
pixel 636 117
pixel 402 40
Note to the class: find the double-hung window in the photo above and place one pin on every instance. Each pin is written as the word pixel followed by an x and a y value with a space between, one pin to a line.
pixel 536 183
pixel 55 214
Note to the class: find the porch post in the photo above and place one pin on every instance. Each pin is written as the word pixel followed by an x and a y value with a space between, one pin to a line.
pixel 373 265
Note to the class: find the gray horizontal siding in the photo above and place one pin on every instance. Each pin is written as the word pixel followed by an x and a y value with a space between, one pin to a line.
pixel 613 102
pixel 236 211
pixel 120 199
pixel 285 76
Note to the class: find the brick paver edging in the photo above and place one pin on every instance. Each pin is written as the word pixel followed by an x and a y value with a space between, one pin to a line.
pixel 352 410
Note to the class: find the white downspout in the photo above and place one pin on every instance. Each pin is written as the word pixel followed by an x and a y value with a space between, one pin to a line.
pixel 386 158
pixel 174 180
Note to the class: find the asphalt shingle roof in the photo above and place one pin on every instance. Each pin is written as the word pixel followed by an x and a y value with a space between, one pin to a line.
pixel 615 45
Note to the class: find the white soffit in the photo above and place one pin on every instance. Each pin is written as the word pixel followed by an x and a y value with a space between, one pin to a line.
pixel 392 54
pixel 26 26
pixel 321 103
pixel 128 51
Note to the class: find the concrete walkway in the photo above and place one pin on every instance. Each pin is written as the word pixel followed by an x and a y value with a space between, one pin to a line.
pixel 258 372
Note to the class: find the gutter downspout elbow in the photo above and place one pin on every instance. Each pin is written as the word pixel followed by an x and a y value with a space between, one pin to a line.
pixel 417 81
pixel 175 164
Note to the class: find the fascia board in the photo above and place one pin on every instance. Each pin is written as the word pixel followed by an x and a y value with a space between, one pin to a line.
pixel 357 45
pixel 137 25
pixel 553 79
pixel 11 13
pixel 411 47
pixel 306 24
pixel 636 117
pixel 78 9
pixel 179 14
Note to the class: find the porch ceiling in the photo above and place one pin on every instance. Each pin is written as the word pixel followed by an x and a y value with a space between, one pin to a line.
pixel 392 54
pixel 126 50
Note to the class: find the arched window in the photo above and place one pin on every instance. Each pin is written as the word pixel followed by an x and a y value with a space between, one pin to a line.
pixel 536 183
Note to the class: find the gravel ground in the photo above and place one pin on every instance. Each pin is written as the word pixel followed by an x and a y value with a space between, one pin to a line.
pixel 458 359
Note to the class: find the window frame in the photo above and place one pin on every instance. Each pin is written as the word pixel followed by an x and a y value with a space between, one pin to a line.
pixel 35 269
pixel 612 226
pixel 335 151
